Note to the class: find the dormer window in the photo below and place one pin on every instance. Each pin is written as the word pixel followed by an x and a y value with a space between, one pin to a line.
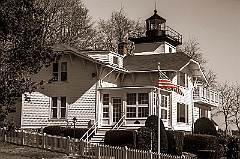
pixel 60 71
pixel 115 60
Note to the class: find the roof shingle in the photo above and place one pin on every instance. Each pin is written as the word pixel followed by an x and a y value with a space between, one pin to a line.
pixel 169 61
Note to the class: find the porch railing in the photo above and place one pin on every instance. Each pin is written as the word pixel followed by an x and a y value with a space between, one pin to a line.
pixel 76 147
pixel 92 131
pixel 119 123
pixel 205 95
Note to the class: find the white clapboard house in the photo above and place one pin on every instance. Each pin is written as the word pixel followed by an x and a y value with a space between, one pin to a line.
pixel 104 88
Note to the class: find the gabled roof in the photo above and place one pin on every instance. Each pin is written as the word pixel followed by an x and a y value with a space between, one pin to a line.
pixel 168 61
pixel 69 49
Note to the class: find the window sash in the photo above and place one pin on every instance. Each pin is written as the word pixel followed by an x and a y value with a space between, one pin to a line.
pixel 131 99
pixel 105 112
pixel 137 105
pixel 131 112
pixel 182 113
pixel 105 99
pixel 59 107
pixel 143 112
pixel 55 72
pixel 143 98
pixel 64 71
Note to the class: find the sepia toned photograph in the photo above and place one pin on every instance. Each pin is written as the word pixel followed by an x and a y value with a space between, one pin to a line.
pixel 119 79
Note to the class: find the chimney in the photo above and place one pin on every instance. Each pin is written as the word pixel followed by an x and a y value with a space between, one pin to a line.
pixel 122 49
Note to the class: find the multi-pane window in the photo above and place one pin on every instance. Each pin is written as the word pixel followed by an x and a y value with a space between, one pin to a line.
pixel 137 105
pixel 60 71
pixel 164 106
pixel 59 106
pixel 105 112
pixel 131 98
pixel 182 113
pixel 105 105
pixel 131 112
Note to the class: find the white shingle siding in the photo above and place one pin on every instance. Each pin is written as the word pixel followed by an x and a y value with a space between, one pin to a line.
pixel 79 90
pixel 186 99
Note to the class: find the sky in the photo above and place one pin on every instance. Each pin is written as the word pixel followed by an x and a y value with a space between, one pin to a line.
pixel 214 23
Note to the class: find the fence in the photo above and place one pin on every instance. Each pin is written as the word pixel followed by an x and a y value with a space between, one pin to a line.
pixel 76 147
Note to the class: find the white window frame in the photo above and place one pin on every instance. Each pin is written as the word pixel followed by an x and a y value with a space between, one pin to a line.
pixel 186 113
pixel 180 76
pixel 137 105
pixel 58 108
pixel 105 106
pixel 164 106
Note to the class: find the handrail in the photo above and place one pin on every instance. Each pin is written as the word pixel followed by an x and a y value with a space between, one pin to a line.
pixel 120 121
pixel 90 131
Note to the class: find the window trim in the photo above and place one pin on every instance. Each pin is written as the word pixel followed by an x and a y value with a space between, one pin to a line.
pixel 59 108
pixel 186 113
pixel 185 79
pixel 105 106
pixel 164 105
pixel 59 74
pixel 136 105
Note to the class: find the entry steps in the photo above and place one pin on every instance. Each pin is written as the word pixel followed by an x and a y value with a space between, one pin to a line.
pixel 100 134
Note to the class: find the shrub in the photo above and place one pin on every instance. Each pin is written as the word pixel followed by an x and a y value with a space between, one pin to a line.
pixel 53 130
pixel 120 138
pixel 145 137
pixel 206 154
pixel 152 123
pixel 195 142
pixel 79 132
pixel 175 142
pixel 204 126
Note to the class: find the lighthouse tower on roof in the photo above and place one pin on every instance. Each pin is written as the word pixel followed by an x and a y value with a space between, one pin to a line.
pixel 159 37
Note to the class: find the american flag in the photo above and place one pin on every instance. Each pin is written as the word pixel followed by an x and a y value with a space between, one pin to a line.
pixel 165 83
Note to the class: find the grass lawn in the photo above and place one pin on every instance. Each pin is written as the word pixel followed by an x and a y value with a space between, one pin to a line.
pixel 12 151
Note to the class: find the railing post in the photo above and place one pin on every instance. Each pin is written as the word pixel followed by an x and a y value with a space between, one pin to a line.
pixel 22 137
pixel 81 149
pixel 43 140
pixel 150 156
pixel 68 146
pixel 125 152
pixel 97 151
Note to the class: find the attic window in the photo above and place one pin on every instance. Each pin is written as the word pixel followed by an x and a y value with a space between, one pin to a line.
pixel 115 60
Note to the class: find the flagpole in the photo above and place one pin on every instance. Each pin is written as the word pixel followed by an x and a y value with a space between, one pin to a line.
pixel 159 113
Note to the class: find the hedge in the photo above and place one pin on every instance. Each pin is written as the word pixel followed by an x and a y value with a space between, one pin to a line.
pixel 53 130
pixel 175 142
pixel 193 143
pixel 79 132
pixel 120 138
pixel 152 123
pixel 61 131
pixel 204 126
pixel 145 138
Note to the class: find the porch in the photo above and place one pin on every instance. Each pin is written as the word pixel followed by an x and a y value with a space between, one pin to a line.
pixel 132 104
pixel 205 96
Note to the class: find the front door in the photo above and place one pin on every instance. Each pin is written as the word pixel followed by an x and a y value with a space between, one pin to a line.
pixel 117 109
